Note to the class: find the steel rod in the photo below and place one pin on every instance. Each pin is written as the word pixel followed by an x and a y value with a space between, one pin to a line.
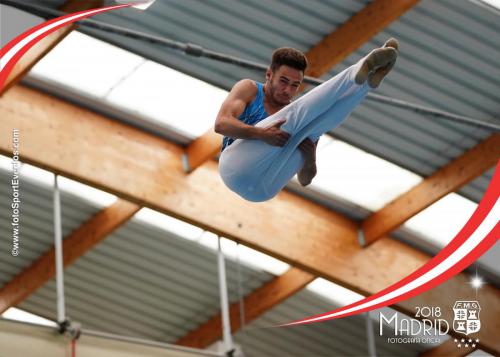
pixel 240 289
pixel 224 301
pixel 61 312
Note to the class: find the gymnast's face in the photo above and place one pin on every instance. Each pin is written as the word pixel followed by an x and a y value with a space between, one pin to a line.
pixel 283 84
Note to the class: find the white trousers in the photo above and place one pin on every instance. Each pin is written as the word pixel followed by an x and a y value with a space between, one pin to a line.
pixel 256 170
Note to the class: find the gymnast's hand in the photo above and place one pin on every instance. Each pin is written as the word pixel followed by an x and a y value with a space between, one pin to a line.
pixel 273 135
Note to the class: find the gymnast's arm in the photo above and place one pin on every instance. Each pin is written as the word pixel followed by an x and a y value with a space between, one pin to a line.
pixel 228 124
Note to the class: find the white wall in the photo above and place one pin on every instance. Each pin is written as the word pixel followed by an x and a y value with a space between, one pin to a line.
pixel 18 339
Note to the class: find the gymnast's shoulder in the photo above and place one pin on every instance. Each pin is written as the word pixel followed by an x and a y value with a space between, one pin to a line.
pixel 245 85
pixel 245 88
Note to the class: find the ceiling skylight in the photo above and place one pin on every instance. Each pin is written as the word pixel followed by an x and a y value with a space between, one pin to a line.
pixel 5 163
pixel 258 259
pixel 28 172
pixel 141 4
pixel 100 198
pixel 246 255
pixel 336 293
pixel 86 65
pixel 46 178
pixel 440 222
pixel 231 249
pixel 171 97
pixel 170 224
pixel 106 73
pixel 494 3
pixel 359 177
pixel 209 240
pixel 21 315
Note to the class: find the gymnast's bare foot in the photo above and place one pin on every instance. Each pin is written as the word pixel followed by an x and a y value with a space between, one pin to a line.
pixel 375 78
pixel 380 58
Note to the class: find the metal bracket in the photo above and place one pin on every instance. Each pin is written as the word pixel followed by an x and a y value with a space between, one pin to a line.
pixel 361 237
pixel 64 326
pixel 74 330
pixel 193 50
pixel 185 163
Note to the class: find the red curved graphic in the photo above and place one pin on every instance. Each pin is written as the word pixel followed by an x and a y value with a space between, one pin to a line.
pixel 490 238
pixel 11 53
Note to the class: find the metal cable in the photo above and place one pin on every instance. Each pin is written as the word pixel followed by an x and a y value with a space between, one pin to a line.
pixel 240 289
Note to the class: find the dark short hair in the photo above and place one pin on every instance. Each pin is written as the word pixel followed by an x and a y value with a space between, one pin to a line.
pixel 289 57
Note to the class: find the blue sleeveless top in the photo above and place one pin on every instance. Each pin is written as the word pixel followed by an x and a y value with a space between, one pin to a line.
pixel 253 113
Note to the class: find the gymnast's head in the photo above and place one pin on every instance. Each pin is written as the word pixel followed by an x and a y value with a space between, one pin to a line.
pixel 285 74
